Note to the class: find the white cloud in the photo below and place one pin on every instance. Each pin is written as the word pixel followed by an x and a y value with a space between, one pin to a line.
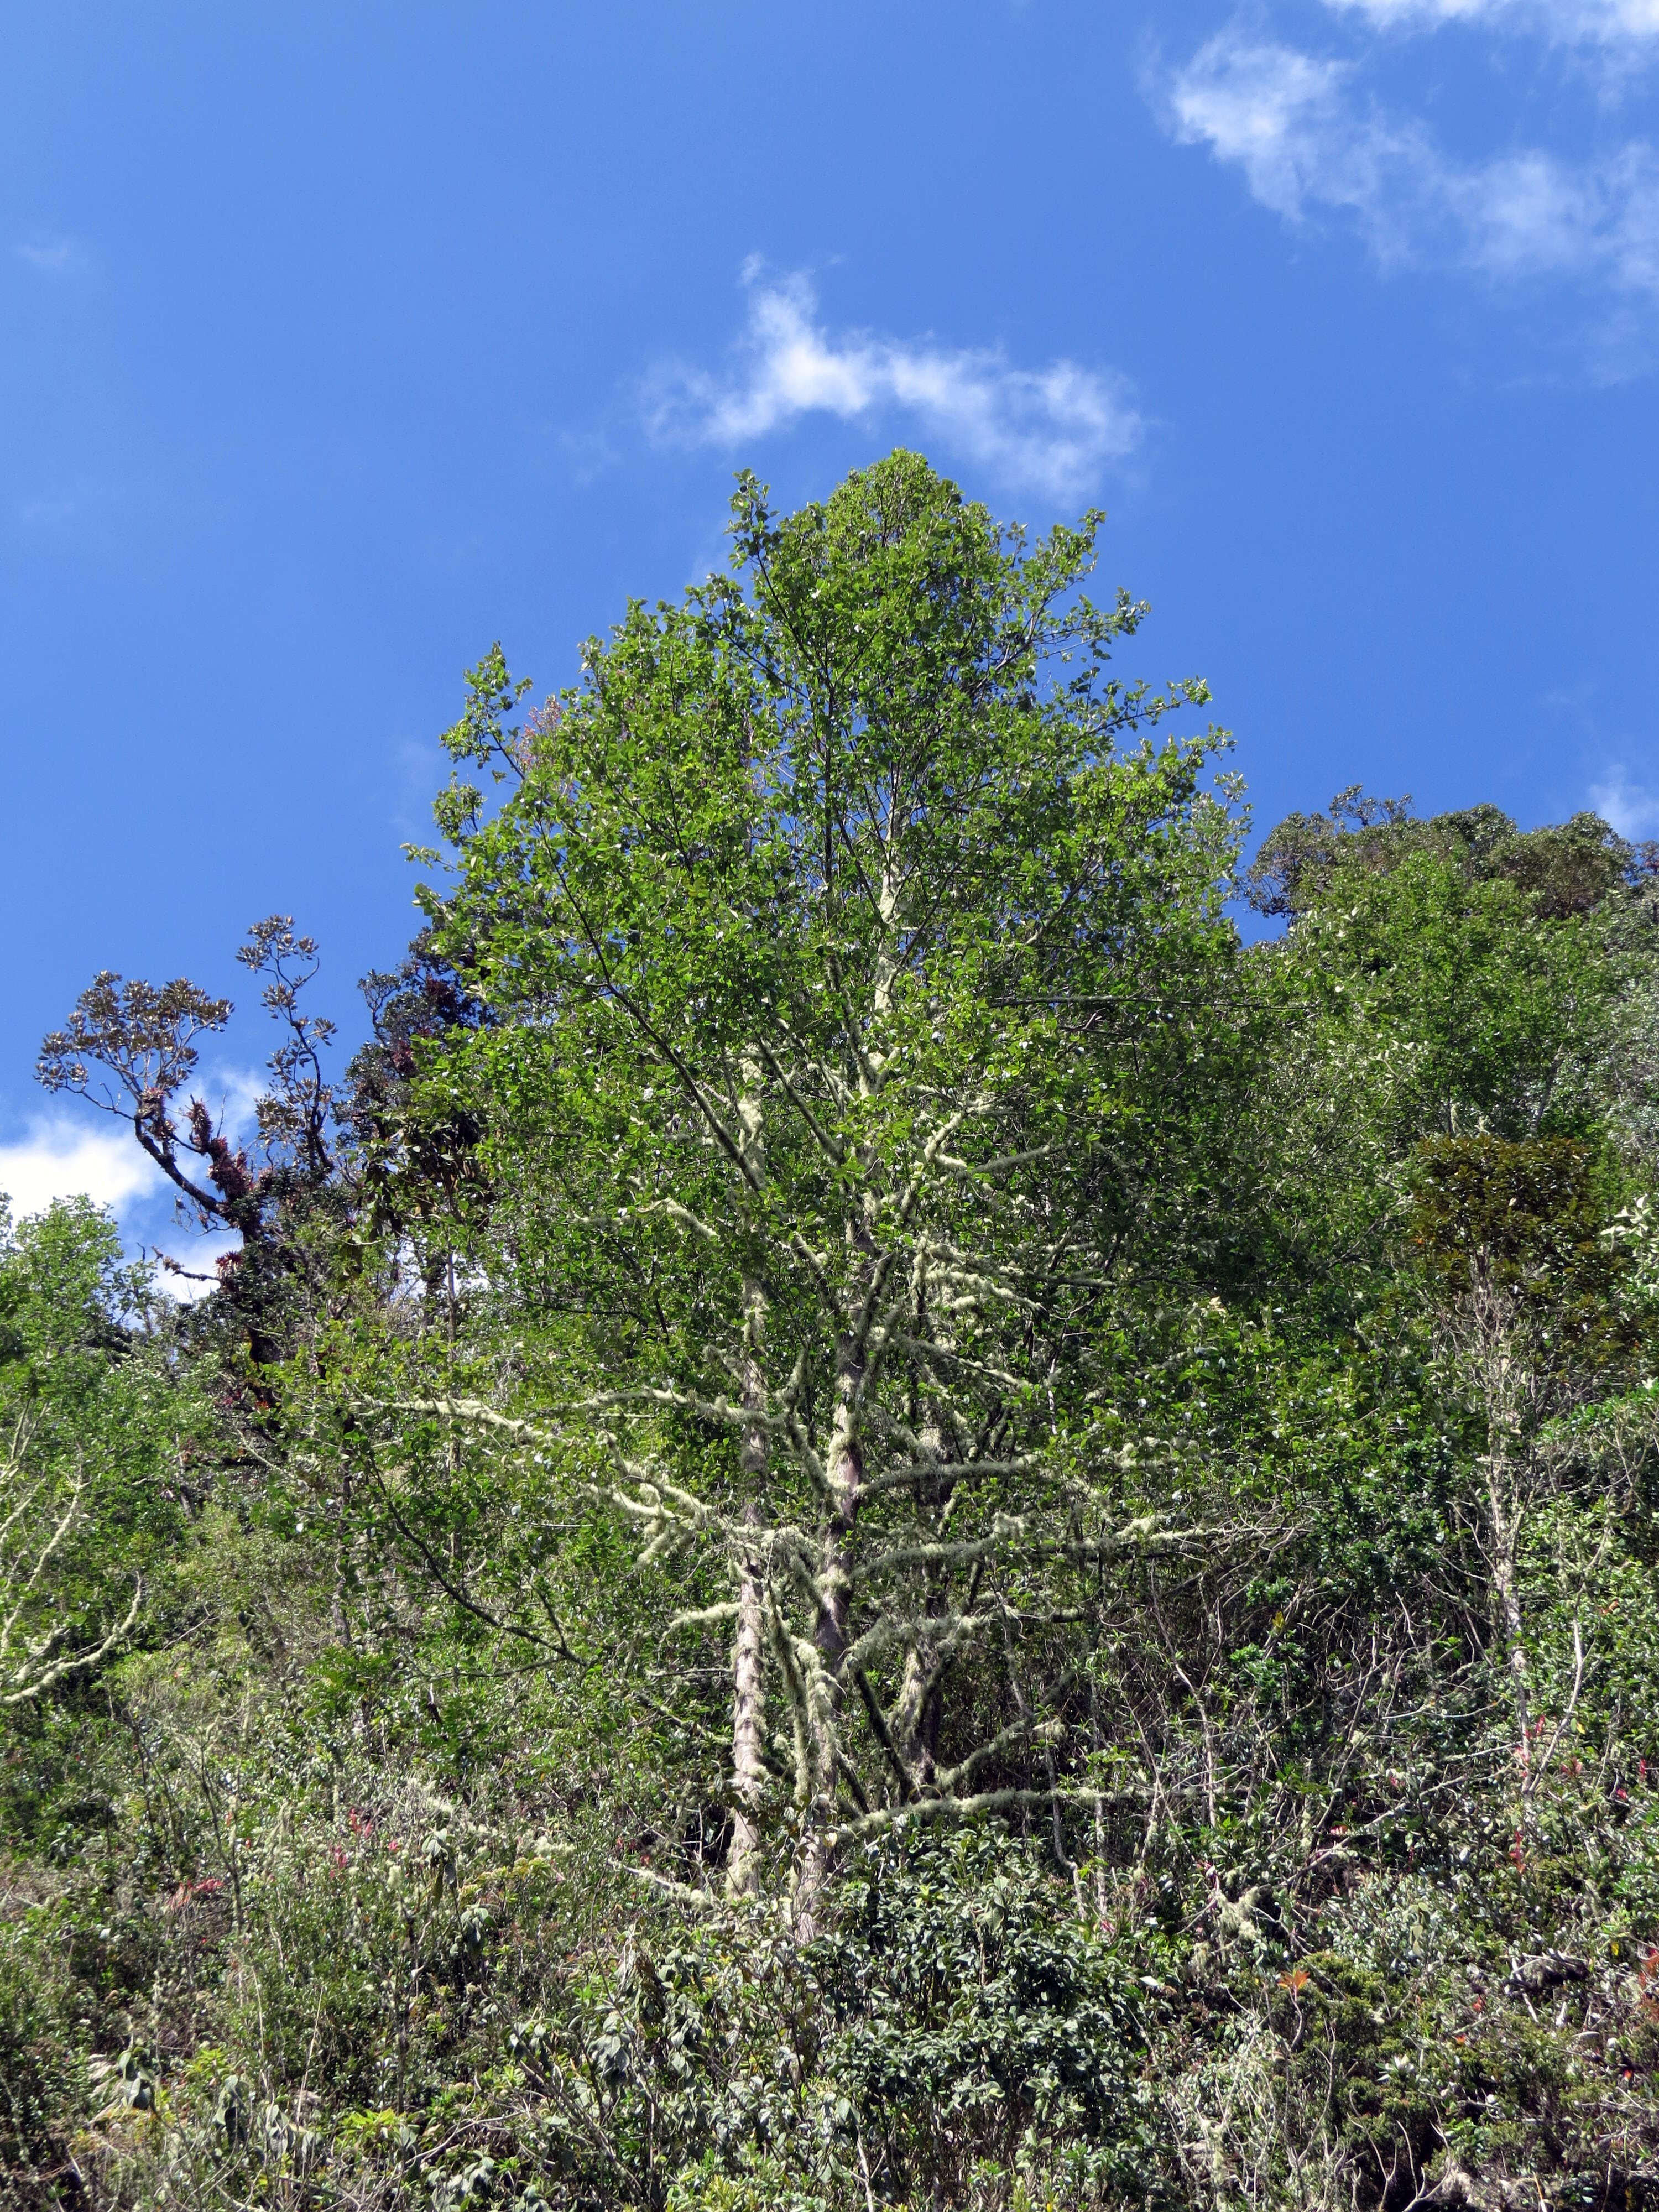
pixel 65 1158
pixel 1305 139
pixel 1279 115
pixel 1565 22
pixel 1627 807
pixel 51 257
pixel 1048 431
pixel 85 1155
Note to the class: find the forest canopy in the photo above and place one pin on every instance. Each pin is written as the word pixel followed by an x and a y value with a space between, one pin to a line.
pixel 915 1494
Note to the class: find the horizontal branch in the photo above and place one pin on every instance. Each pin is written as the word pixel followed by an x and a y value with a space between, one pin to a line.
pixel 471 1409
pixel 883 1634
pixel 710 1616
pixel 681 1892
pixel 907 1471
pixel 989 1801
pixel 1138 1536
pixel 961 1167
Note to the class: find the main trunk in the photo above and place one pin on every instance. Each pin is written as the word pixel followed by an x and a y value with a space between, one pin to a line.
pixel 845 1470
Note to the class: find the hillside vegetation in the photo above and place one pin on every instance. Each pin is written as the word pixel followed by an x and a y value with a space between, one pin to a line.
pixel 877 1514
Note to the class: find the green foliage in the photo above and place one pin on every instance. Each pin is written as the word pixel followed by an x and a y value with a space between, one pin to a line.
pixel 876 1520
pixel 41 2076
pixel 985 2026
pixel 97 1432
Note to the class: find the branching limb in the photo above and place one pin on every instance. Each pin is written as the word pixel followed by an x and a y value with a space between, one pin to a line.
pixel 26 1687
pixel 829 1145
pixel 884 1735
pixel 434 1567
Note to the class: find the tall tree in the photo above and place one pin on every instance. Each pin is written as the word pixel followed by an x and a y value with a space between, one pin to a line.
pixel 829 932
pixel 131 1049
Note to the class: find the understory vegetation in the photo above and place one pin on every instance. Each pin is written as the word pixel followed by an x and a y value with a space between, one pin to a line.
pixel 913 1495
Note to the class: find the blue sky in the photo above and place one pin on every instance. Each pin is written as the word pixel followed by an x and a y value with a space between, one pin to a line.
pixel 336 342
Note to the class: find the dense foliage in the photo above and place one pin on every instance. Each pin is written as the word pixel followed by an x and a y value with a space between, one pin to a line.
pixel 877 1514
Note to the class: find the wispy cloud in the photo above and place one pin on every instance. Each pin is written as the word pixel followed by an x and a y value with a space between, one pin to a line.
pixel 1629 808
pixel 69 509
pixel 61 1158
pixel 51 257
pixel 1305 139
pixel 1565 22
pixel 1049 431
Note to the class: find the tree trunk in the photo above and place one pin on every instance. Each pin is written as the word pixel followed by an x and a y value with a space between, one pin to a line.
pixel 748 1691
pixel 1505 1515
pixel 846 1476
pixel 748 1687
